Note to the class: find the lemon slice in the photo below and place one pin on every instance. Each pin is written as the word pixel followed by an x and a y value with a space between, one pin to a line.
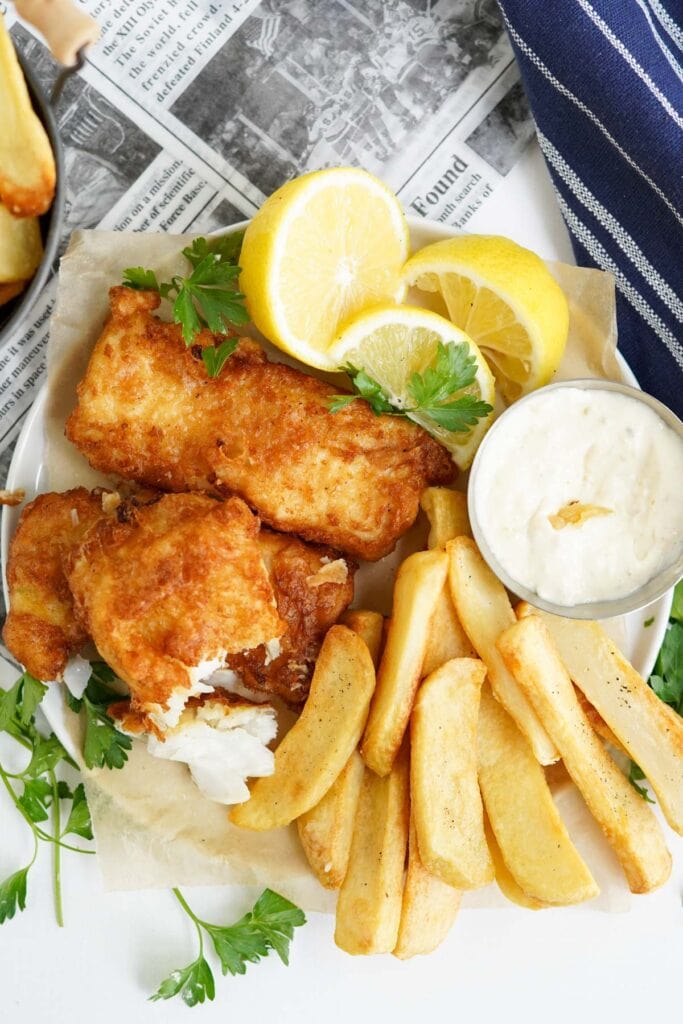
pixel 505 298
pixel 391 343
pixel 321 248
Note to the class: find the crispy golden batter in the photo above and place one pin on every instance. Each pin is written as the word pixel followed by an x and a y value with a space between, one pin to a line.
pixel 313 586
pixel 41 630
pixel 164 587
pixel 147 411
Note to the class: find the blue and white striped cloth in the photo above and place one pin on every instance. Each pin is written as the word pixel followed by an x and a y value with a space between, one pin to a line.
pixel 605 82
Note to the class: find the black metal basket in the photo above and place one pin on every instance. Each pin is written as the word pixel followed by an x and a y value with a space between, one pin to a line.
pixel 14 312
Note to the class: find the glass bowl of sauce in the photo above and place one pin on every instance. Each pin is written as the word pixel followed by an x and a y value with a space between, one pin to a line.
pixel 576 499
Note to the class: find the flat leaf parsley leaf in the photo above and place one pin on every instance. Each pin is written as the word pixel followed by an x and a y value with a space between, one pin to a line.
pixel 195 983
pixel 668 682
pixel 41 793
pixel 140 279
pixel 269 925
pixel 36 799
pixel 47 753
pixel 104 745
pixel 228 247
pixel 215 357
pixel 208 296
pixel 21 701
pixel 667 676
pixel 366 388
pixel 454 369
pixel 13 894
pixel 78 822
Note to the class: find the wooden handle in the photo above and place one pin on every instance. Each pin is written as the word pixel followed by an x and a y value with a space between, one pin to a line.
pixel 64 27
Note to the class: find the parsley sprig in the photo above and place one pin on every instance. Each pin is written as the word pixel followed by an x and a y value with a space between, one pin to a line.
pixel 667 677
pixel 207 297
pixel 269 925
pixel 37 793
pixel 103 745
pixel 368 389
pixel 454 369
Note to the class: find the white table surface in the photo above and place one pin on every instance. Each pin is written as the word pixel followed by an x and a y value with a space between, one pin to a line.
pixel 508 965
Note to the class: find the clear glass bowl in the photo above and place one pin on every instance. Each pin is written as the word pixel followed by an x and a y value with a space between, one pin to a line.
pixel 650 591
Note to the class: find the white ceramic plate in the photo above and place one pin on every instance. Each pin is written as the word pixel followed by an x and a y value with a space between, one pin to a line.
pixel 639 643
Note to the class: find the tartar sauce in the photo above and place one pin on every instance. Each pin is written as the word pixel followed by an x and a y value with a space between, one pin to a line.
pixel 579 495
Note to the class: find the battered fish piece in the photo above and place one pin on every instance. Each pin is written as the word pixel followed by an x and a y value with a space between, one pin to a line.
pixel 313 586
pixel 168 590
pixel 41 629
pixel 148 412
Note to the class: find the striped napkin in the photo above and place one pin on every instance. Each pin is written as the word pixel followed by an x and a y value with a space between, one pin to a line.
pixel 605 83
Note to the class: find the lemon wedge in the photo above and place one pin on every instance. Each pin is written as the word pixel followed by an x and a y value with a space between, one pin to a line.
pixel 505 298
pixel 321 248
pixel 393 343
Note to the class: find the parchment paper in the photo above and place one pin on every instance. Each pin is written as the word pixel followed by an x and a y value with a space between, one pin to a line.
pixel 153 827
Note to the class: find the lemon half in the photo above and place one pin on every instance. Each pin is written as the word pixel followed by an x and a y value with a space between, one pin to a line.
pixel 321 248
pixel 505 298
pixel 391 343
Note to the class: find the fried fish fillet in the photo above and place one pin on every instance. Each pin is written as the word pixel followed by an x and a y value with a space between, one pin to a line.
pixel 41 629
pixel 311 585
pixel 169 592
pixel 148 412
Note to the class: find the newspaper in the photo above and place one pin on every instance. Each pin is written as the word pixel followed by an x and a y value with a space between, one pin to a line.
pixel 188 114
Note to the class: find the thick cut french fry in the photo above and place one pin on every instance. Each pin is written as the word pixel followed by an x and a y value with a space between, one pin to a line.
pixel 447 514
pixel 504 878
pixel 598 723
pixel 626 820
pixel 447 639
pixel 529 831
pixel 313 753
pixel 483 607
pixel 21 247
pixel 326 830
pixel 416 591
pixel 649 731
pixel 27 166
pixel 446 511
pixel 370 627
pixel 444 792
pixel 429 907
pixel 369 904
